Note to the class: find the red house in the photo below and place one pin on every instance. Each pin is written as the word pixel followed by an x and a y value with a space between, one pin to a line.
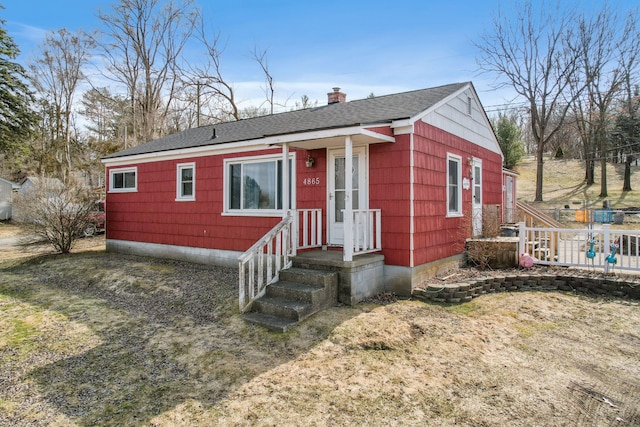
pixel 423 164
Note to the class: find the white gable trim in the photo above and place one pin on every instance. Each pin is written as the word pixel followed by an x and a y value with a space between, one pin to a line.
pixel 451 114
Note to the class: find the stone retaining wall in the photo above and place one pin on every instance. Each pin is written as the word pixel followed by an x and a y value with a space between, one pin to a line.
pixel 466 291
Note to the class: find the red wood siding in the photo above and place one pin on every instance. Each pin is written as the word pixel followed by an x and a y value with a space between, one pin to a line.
pixel 312 184
pixel 153 215
pixel 389 191
pixel 437 236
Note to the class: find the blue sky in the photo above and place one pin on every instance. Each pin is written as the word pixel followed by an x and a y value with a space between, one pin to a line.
pixel 360 46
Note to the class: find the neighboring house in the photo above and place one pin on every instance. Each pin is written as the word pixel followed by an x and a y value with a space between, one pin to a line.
pixel 6 198
pixel 51 185
pixel 40 182
pixel 423 162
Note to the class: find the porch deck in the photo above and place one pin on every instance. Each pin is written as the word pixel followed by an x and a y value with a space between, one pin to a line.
pixel 357 280
pixel 334 258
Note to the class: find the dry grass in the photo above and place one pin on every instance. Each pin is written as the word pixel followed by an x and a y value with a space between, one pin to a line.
pixel 564 184
pixel 104 339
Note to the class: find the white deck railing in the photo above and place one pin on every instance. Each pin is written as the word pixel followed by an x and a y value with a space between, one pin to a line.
pixel 309 228
pixel 261 264
pixel 600 248
pixel 367 232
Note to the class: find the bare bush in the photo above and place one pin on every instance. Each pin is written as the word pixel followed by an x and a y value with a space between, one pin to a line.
pixel 491 220
pixel 55 213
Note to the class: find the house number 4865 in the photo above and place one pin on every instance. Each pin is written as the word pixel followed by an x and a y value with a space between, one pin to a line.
pixel 311 181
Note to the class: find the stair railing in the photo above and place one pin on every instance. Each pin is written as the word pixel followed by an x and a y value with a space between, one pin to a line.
pixel 261 264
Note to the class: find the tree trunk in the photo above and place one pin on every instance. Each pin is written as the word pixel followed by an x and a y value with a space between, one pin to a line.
pixel 589 175
pixel 539 172
pixel 627 174
pixel 603 169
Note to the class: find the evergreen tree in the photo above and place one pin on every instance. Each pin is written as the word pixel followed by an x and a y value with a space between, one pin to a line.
pixel 510 139
pixel 16 115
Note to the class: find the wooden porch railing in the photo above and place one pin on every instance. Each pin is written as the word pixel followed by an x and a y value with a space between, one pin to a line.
pixel 367 232
pixel 309 228
pixel 261 264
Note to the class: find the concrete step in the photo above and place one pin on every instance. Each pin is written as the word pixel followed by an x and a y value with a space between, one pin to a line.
pixel 298 294
pixel 313 294
pixel 274 323
pixel 309 276
pixel 283 307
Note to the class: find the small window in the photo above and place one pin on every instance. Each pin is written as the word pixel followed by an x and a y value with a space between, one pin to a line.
pixel 123 180
pixel 255 185
pixel 186 181
pixel 469 105
pixel 454 179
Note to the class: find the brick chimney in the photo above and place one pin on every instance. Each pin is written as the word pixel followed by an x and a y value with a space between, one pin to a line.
pixel 336 96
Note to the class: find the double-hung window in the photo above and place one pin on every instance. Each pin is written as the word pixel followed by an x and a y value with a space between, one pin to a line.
pixel 255 185
pixel 186 181
pixel 454 185
pixel 123 180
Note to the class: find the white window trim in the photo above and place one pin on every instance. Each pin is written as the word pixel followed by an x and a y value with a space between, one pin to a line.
pixel 112 172
pixel 458 213
pixel 179 196
pixel 256 159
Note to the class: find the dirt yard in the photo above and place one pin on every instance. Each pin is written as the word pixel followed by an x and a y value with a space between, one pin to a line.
pixel 103 339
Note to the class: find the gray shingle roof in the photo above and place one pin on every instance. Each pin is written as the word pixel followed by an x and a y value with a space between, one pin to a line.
pixel 380 109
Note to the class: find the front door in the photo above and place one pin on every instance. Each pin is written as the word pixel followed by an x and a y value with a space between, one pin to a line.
pixel 477 197
pixel 336 189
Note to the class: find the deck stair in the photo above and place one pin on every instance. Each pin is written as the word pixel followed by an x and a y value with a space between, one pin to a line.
pixel 542 247
pixel 535 218
pixel 299 293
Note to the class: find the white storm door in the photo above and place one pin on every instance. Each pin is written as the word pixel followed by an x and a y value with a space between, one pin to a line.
pixel 477 197
pixel 336 189
pixel 509 202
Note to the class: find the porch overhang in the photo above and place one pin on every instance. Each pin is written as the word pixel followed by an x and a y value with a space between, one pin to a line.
pixel 329 138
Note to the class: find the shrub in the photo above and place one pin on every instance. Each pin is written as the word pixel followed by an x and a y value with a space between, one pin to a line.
pixel 56 213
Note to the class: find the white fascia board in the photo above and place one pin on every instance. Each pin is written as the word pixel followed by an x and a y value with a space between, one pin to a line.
pixel 328 133
pixel 207 150
pixel 402 127
pixel 245 146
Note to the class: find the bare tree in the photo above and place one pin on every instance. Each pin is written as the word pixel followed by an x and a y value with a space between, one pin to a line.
pixel 535 54
pixel 607 48
pixel 215 95
pixel 57 73
pixel 305 103
pixel 260 56
pixel 143 42
pixel 57 213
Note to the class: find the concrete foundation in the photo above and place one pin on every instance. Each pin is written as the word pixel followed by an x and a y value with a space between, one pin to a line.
pixel 403 280
pixel 180 253
pixel 357 280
